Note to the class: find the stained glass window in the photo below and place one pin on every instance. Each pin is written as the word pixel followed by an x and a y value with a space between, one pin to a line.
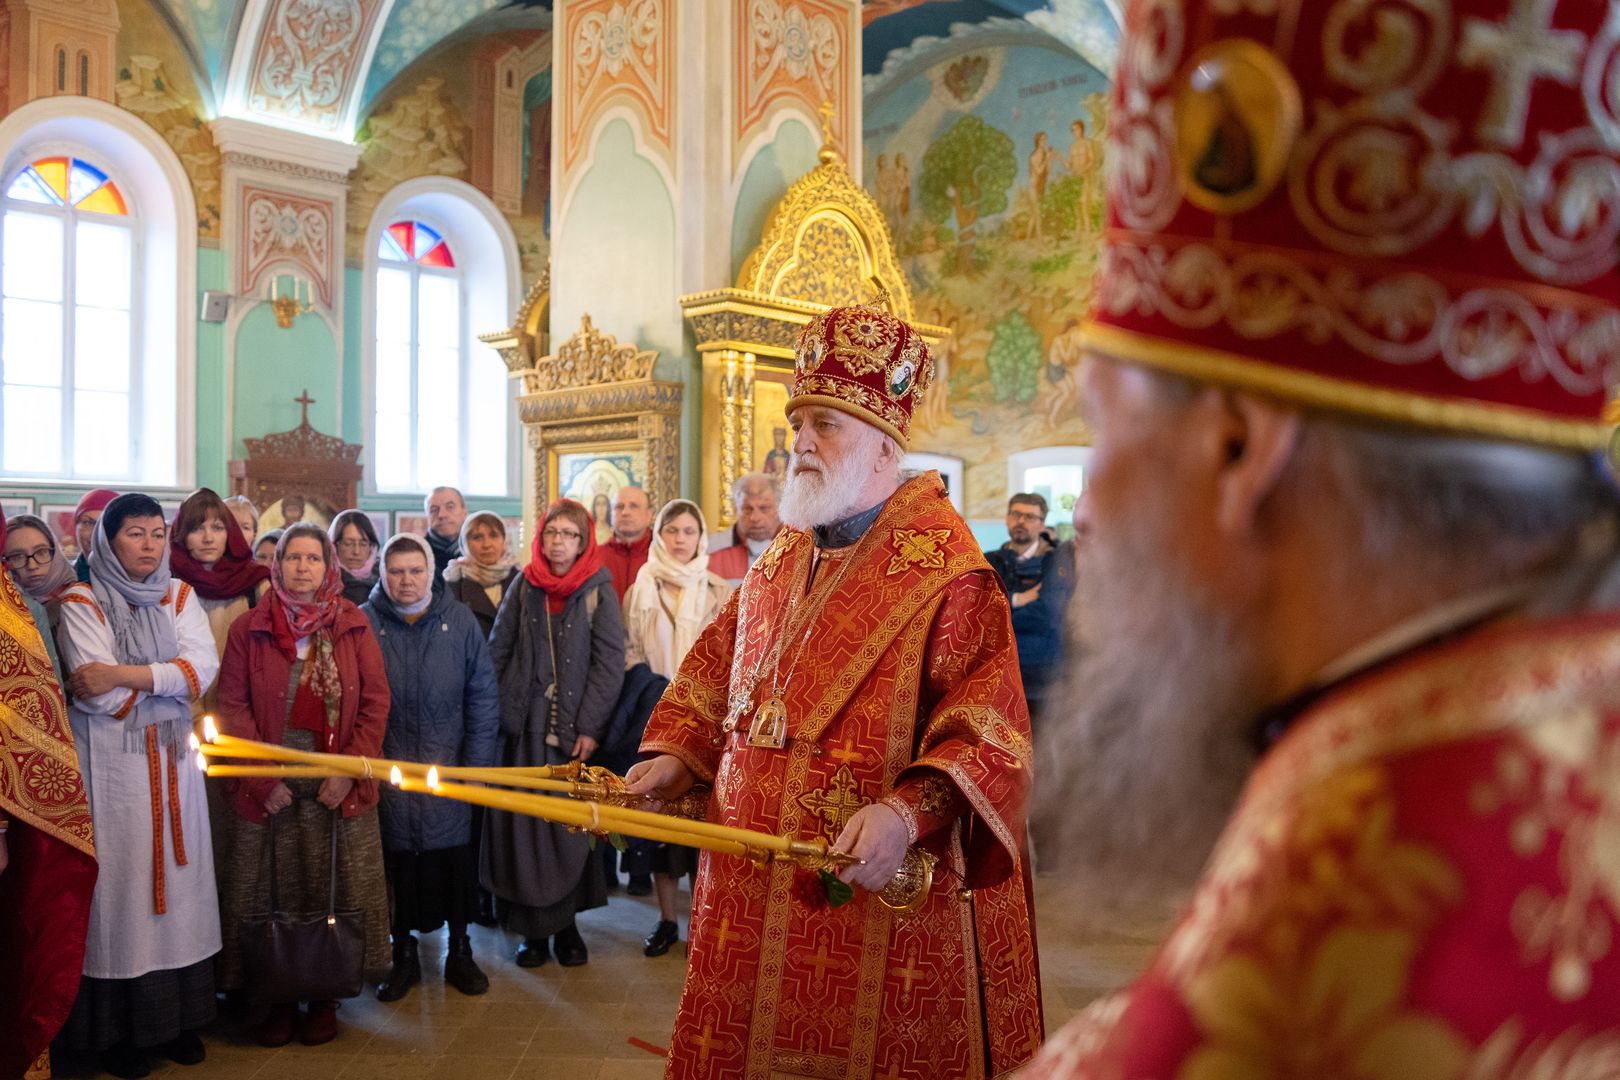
pixel 64 181
pixel 414 242
pixel 428 380
pixel 69 362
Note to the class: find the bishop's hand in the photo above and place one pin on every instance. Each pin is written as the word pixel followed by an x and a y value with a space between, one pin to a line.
pixel 664 778
pixel 877 836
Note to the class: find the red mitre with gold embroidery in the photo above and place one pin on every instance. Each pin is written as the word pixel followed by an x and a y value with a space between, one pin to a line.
pixel 1407 210
pixel 865 362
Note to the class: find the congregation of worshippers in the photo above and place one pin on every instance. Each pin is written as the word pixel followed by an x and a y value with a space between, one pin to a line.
pixel 1146 611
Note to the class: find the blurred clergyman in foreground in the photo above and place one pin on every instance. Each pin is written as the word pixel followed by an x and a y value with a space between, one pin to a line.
pixel 1347 590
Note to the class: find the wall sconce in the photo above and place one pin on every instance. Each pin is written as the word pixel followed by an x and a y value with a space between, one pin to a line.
pixel 288 306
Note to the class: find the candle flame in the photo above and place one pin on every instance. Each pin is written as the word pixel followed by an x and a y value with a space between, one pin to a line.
pixel 202 762
pixel 396 777
pixel 433 776
pixel 195 742
pixel 210 729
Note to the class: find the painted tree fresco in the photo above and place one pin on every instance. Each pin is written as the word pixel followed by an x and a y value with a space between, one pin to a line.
pixel 987 162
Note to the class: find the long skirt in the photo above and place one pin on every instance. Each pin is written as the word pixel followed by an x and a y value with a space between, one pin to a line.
pixel 431 888
pixel 303 869
pixel 540 873
pixel 535 923
pixel 148 1010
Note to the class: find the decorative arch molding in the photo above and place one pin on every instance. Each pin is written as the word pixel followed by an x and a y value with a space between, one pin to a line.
pixel 487 252
pixel 159 192
pixel 764 136
pixel 644 148
pixel 301 64
pixel 614 56
pixel 795 53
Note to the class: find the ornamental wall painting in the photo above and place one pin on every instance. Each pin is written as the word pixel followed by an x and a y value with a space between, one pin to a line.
pixel 435 120
pixel 987 164
pixel 155 81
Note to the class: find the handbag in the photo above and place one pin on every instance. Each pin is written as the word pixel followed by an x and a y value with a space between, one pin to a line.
pixel 311 956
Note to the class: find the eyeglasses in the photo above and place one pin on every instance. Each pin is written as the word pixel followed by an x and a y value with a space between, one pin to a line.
pixel 19 559
pixel 1026 515
pixel 558 534
pixel 354 545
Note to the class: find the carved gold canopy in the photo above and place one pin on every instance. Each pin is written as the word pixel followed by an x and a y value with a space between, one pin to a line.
pixel 595 395
pixel 824 245
pixel 522 344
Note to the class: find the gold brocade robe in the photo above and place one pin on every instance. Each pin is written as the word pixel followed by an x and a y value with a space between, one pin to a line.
pixel 1421 882
pixel 907 690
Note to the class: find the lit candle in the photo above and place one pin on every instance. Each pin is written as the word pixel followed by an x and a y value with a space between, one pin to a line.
pixel 272 286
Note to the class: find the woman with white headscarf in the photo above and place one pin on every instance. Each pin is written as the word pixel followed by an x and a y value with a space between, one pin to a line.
pixel 138 645
pixel 444 707
pixel 673 598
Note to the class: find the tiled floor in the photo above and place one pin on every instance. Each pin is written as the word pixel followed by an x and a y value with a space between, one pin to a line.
pixel 607 1020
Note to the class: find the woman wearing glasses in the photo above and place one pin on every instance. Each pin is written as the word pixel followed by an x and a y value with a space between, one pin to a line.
pixel 355 539
pixel 39 567
pixel 558 650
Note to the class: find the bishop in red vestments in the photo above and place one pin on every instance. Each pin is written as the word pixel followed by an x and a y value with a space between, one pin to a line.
pixel 861 687
pixel 1349 548
pixel 48 872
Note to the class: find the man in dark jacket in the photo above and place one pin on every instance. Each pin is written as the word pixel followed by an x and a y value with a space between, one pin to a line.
pixel 445 708
pixel 1038 575
pixel 1038 590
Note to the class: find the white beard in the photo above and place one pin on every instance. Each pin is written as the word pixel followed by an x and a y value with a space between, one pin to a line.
pixel 813 498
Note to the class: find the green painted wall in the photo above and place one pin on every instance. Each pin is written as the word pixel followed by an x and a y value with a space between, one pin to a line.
pixel 618 243
pixel 212 454
pixel 273 366
pixel 774 169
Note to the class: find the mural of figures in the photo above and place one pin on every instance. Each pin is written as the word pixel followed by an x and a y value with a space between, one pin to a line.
pixel 1001 241
pixel 1040 167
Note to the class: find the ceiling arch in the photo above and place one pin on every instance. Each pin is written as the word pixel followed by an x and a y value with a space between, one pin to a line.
pixel 316 65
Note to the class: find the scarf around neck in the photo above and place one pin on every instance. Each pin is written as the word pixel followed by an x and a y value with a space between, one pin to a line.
pixel 643 605
pixel 143 633
pixel 559 588
pixel 465 566
pixel 292 619
pixel 235 574
pixel 58 574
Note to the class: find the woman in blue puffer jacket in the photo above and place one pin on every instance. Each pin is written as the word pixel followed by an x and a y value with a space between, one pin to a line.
pixel 445 711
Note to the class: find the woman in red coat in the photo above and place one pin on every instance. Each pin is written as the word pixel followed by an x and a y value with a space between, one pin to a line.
pixel 302 669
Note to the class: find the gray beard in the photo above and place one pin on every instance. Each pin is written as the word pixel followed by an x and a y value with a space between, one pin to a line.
pixel 1147 736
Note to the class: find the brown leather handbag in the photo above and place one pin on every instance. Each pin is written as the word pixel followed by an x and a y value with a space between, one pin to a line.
pixel 313 956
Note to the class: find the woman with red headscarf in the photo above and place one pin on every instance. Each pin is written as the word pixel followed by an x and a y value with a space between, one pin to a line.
pixel 302 669
pixel 558 650
pixel 209 551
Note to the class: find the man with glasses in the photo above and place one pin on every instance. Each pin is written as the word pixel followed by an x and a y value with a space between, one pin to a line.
pixel 1037 589
pixel 1038 575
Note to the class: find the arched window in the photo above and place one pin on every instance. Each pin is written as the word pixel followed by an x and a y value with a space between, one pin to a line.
pixel 70 342
pixel 440 409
